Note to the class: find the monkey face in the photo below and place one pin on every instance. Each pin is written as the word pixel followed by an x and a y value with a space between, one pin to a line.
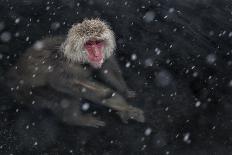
pixel 91 41
pixel 95 52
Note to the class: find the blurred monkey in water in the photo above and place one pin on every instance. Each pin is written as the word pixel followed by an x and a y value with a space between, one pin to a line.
pixel 55 73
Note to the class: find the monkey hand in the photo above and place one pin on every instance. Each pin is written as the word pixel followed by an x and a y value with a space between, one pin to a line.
pixel 131 113
pixel 130 94
pixel 95 123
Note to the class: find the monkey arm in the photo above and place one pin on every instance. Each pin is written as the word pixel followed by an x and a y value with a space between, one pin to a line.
pixel 103 95
pixel 111 74
pixel 95 91
pixel 112 100
pixel 73 86
pixel 90 90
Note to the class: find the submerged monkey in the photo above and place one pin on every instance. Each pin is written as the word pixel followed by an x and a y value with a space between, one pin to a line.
pixel 55 73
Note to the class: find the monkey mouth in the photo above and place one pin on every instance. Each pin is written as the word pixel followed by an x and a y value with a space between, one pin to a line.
pixel 95 58
pixel 97 64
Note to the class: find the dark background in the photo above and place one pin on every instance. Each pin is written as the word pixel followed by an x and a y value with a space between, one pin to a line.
pixel 182 75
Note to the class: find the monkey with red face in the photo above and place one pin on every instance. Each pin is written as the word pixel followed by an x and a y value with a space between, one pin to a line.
pixel 57 72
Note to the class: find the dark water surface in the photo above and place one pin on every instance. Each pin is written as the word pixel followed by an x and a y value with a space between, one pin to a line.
pixel 176 54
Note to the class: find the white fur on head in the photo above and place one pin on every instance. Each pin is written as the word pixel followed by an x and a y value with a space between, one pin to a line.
pixel 79 34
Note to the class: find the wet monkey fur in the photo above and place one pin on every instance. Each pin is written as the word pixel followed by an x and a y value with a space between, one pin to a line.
pixel 55 73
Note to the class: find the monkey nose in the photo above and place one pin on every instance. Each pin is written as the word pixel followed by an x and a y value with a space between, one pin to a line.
pixel 96 51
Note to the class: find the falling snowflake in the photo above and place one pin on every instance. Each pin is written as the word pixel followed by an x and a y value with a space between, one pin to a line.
pixel 148 132
pixel 149 16
pixel 17 20
pixel 133 57
pixel 186 138
pixel 211 58
pixel 5 36
pixel 38 45
pixel 85 106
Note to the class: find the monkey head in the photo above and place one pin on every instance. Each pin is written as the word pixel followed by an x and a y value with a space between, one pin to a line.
pixel 91 41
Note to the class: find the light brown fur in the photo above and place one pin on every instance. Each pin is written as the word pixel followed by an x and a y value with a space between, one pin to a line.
pixel 80 33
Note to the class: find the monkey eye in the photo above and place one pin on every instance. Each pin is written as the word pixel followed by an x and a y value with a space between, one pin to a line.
pixel 98 42
pixel 91 43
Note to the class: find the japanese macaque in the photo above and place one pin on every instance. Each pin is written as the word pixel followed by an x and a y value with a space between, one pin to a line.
pixel 57 73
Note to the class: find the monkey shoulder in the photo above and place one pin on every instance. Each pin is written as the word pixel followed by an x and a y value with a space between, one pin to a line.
pixel 37 62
